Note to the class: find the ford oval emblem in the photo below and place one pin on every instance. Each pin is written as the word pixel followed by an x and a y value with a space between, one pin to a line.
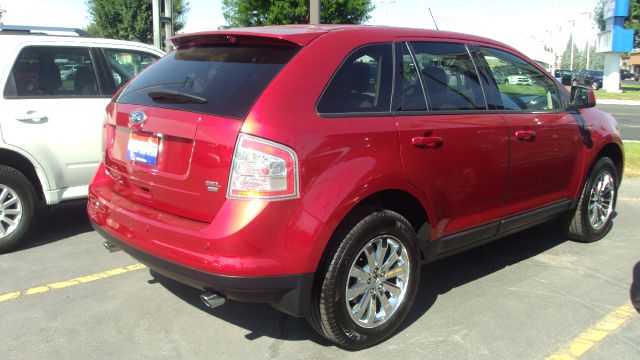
pixel 137 117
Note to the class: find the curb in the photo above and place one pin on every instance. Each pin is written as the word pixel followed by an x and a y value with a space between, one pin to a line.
pixel 617 102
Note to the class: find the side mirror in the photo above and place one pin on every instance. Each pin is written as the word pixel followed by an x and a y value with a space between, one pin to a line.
pixel 582 97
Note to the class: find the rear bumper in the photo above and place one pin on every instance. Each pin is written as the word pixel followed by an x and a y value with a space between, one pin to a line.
pixel 290 294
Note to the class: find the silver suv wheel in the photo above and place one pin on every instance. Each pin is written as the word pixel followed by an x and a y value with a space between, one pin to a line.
pixel 10 210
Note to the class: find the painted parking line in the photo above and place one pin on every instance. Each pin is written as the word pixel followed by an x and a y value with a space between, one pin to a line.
pixel 595 334
pixel 72 282
pixel 628 199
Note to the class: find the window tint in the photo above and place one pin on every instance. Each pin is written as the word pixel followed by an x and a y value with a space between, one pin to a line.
pixel 449 76
pixel 412 93
pixel 362 84
pixel 43 71
pixel 521 85
pixel 124 64
pixel 223 80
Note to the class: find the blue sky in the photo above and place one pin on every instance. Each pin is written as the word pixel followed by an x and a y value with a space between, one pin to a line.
pixel 522 24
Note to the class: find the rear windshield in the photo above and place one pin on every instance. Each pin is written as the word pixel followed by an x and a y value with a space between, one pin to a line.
pixel 223 80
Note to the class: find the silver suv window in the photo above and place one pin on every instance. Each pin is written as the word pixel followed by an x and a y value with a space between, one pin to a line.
pixel 124 64
pixel 47 71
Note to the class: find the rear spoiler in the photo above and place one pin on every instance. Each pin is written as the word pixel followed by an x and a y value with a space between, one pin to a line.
pixel 207 39
pixel 237 36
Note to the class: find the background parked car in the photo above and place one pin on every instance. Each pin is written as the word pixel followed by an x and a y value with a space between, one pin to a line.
pixel 55 89
pixel 591 78
pixel 510 75
pixel 564 76
pixel 628 75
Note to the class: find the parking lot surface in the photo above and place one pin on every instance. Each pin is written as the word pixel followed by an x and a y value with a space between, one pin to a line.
pixel 529 296
pixel 628 117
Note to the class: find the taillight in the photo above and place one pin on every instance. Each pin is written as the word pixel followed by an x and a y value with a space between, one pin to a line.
pixel 107 135
pixel 262 169
pixel 107 139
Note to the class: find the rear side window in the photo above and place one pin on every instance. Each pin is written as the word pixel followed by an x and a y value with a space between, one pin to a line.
pixel 224 80
pixel 48 71
pixel 449 76
pixel 362 84
pixel 522 86
pixel 124 64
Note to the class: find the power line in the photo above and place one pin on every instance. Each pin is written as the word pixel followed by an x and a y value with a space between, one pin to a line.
pixel 474 3
pixel 465 4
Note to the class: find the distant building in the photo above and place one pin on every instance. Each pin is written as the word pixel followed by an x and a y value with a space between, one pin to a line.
pixel 631 61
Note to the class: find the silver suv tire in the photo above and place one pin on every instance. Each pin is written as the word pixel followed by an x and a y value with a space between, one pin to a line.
pixel 17 208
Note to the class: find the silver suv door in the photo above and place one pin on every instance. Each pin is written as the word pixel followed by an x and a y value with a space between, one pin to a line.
pixel 52 109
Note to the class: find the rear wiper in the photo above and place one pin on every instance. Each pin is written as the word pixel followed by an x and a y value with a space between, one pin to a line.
pixel 175 97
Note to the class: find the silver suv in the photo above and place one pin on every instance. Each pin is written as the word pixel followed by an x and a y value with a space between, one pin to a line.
pixel 55 85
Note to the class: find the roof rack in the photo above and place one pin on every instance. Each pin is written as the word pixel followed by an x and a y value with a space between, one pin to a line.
pixel 40 30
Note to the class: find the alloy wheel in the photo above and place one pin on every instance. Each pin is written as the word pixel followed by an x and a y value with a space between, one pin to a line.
pixel 10 210
pixel 601 198
pixel 377 282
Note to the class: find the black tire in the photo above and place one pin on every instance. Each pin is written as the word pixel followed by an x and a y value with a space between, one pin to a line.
pixel 22 188
pixel 575 223
pixel 329 314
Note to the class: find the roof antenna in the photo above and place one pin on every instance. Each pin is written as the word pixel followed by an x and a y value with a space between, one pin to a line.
pixel 434 19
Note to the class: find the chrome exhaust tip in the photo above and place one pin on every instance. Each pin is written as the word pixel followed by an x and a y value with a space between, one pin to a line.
pixel 212 300
pixel 109 246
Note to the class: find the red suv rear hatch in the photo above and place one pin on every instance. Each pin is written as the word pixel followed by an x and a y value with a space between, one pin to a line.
pixel 171 133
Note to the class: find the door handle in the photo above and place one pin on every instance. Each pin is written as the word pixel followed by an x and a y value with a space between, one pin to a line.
pixel 526 135
pixel 32 117
pixel 427 142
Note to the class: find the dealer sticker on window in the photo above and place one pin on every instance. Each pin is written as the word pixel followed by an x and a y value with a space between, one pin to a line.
pixel 142 149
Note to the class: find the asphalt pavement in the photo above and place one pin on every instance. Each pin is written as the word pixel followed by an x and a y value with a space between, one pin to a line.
pixel 528 296
pixel 628 117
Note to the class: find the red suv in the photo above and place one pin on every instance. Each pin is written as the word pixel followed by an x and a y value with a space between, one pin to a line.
pixel 316 168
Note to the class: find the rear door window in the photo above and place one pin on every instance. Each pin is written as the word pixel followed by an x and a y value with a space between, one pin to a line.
pixel 362 84
pixel 449 76
pixel 413 98
pixel 51 71
pixel 217 79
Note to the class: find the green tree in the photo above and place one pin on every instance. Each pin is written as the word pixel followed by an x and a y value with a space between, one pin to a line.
pixel 2 11
pixel 599 15
pixel 129 19
pixel 281 12
pixel 633 21
pixel 597 60
pixel 565 62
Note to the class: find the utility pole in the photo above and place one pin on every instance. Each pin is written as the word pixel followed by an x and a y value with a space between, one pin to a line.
pixel 168 21
pixel 314 12
pixel 159 19
pixel 386 9
pixel 155 11
pixel 588 42
pixel 573 23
